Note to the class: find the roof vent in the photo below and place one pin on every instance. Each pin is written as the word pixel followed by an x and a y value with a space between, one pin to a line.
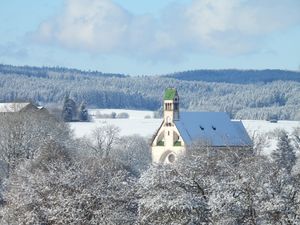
pixel 213 127
pixel 202 128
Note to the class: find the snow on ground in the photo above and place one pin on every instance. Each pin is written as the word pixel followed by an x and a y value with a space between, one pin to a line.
pixel 267 129
pixel 137 124
pixel 133 114
pixel 263 126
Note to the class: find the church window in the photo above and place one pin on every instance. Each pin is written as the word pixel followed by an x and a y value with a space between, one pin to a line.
pixel 168 122
pixel 171 158
pixel 161 139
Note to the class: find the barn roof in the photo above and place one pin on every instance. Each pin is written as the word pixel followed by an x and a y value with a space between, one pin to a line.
pixel 213 128
pixel 13 106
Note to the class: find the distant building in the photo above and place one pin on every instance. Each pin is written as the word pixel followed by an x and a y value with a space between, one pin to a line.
pixel 15 107
pixel 180 129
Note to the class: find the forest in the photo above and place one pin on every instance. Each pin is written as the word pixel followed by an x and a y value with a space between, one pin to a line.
pixel 49 177
pixel 237 76
pixel 256 98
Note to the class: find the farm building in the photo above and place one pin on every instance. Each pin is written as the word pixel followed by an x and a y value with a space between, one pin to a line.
pixel 15 107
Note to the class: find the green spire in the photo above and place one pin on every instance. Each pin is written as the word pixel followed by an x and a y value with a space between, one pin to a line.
pixel 170 94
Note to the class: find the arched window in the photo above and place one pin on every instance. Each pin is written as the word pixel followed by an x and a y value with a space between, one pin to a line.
pixel 176 139
pixel 161 139
pixel 168 122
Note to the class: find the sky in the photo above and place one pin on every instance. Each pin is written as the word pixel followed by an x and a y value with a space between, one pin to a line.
pixel 151 37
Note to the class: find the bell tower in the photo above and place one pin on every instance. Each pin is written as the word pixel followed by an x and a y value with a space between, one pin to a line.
pixel 168 144
pixel 171 106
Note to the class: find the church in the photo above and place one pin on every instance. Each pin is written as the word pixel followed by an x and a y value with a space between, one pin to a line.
pixel 178 130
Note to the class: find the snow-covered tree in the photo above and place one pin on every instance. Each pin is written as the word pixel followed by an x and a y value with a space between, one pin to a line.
pixel 133 151
pixel 69 111
pixel 255 191
pixel 22 135
pixel 83 112
pixel 236 196
pixel 58 188
pixel 284 155
pixel 296 138
pixel 169 197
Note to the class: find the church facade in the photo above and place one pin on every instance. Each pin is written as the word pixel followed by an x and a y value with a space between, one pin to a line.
pixel 178 130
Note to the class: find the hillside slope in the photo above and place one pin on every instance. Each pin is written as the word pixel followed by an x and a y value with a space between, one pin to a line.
pixel 258 100
pixel 237 76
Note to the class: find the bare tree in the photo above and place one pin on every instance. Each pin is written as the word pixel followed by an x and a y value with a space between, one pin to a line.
pixel 133 151
pixel 103 139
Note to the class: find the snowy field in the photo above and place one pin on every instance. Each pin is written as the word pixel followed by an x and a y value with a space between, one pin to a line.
pixel 267 129
pixel 137 124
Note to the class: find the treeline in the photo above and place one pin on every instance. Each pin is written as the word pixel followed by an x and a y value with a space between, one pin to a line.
pixel 237 76
pixel 32 71
pixel 47 177
pixel 278 99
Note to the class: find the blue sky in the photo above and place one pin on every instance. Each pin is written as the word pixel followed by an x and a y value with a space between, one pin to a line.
pixel 151 37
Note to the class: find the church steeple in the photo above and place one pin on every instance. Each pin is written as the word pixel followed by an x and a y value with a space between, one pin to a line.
pixel 171 106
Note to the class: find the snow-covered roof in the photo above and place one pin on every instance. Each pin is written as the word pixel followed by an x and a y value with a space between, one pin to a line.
pixel 13 106
pixel 213 128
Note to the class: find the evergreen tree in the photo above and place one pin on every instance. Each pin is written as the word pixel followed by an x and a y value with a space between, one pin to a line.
pixel 83 112
pixel 284 155
pixel 69 109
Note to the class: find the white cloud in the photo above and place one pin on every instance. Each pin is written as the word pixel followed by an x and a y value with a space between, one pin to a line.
pixel 228 27
pixel 92 25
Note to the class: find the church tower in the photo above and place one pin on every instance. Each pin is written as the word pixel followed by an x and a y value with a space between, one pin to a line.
pixel 167 144
pixel 171 106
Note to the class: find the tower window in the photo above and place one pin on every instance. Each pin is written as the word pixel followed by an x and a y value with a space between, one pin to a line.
pixel 168 122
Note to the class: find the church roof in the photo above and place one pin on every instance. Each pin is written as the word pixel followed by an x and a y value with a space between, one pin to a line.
pixel 170 94
pixel 213 128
